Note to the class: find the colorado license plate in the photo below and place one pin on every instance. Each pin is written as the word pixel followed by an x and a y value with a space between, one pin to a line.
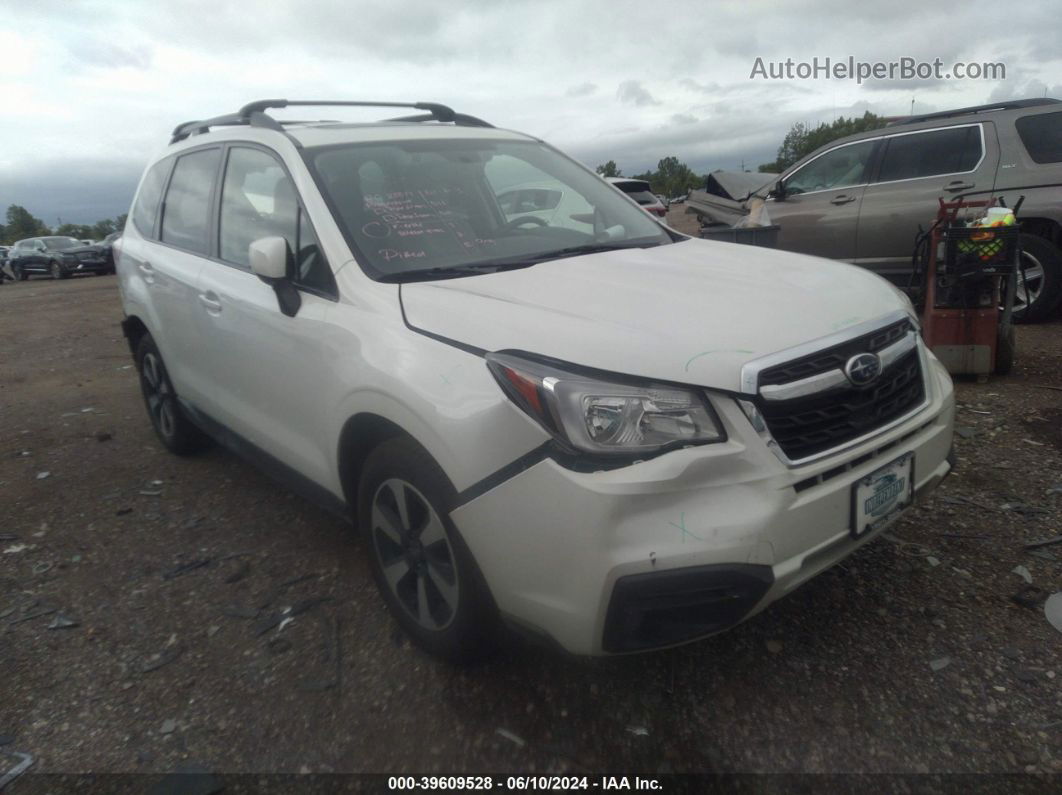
pixel 881 495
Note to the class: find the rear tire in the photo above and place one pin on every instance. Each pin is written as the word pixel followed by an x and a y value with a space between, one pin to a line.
pixel 174 429
pixel 57 271
pixel 424 570
pixel 20 274
pixel 1043 262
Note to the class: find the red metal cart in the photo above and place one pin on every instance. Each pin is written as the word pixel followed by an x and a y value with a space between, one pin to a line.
pixel 969 278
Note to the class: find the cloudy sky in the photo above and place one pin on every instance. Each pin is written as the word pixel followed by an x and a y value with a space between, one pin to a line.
pixel 90 88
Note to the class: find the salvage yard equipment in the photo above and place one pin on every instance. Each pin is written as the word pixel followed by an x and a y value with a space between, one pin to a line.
pixel 968 272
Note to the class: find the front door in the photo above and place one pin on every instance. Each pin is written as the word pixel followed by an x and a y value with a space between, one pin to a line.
pixel 266 368
pixel 819 212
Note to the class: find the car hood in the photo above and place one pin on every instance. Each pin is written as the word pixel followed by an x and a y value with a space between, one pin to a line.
pixel 692 312
pixel 94 249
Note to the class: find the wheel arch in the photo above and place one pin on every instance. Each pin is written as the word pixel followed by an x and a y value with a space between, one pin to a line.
pixel 134 330
pixel 361 434
pixel 1046 228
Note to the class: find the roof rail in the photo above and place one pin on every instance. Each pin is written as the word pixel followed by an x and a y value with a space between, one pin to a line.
pixel 254 114
pixel 1008 105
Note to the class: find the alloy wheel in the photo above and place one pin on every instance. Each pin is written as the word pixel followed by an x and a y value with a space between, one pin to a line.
pixel 415 555
pixel 158 395
pixel 57 273
pixel 1030 281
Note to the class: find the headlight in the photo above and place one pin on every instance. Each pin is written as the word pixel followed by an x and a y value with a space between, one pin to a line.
pixel 604 416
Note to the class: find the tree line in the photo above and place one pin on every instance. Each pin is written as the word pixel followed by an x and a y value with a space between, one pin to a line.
pixel 802 140
pixel 21 223
pixel 673 177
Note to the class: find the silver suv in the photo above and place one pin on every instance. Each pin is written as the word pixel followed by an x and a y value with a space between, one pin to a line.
pixel 862 198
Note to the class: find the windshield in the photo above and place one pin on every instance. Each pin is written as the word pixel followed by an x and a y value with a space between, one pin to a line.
pixel 411 208
pixel 59 243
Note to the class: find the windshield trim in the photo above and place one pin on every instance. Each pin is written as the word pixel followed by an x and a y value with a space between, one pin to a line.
pixel 309 152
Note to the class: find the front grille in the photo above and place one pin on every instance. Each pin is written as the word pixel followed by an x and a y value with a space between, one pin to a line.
pixel 833 358
pixel 805 426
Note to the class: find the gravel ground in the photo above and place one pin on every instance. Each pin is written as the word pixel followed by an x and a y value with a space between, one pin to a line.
pixel 911 656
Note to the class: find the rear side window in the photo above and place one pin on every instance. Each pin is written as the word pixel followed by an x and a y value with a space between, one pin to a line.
pixel 147 200
pixel 1042 136
pixel 952 151
pixel 186 211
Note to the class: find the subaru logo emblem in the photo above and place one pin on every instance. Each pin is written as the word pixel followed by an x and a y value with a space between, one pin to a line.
pixel 863 368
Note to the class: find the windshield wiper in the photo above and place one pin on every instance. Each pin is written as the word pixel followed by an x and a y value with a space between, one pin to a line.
pixel 493 266
pixel 590 248
pixel 454 271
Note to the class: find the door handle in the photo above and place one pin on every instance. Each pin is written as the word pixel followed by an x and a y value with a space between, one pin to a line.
pixel 148 272
pixel 210 301
pixel 958 185
pixel 842 198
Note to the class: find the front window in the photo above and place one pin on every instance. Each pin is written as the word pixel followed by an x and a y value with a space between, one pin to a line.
pixel 840 168
pixel 258 200
pixel 439 208
pixel 61 243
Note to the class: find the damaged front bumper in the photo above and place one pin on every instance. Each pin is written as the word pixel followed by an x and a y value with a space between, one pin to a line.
pixel 685 545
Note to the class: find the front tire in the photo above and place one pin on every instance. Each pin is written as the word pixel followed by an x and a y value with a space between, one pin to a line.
pixel 174 429
pixel 421 565
pixel 57 271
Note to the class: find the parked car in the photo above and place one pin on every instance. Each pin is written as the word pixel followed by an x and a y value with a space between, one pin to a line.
pixel 641 192
pixel 56 256
pixel 579 427
pixel 862 198
pixel 106 247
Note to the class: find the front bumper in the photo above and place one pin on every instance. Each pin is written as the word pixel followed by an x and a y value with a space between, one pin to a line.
pixel 586 558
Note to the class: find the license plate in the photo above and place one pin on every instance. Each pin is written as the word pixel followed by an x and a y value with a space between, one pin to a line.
pixel 881 495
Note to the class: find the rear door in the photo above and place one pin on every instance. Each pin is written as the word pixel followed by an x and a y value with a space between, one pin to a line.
pixel 265 368
pixel 819 213
pixel 915 170
pixel 33 256
pixel 171 267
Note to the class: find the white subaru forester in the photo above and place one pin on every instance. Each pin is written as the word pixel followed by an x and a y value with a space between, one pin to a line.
pixel 542 408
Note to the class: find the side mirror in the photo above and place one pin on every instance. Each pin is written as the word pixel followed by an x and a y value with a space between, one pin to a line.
pixel 778 192
pixel 270 260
